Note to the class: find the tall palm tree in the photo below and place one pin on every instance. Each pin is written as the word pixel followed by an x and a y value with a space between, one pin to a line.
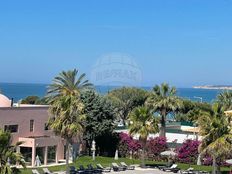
pixel 143 122
pixel 68 83
pixel 163 100
pixel 66 108
pixel 216 133
pixel 225 99
pixel 9 154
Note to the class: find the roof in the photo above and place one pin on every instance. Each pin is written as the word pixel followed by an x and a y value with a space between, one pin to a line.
pixel 4 101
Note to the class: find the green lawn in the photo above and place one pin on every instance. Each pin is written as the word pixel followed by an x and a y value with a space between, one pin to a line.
pixel 106 161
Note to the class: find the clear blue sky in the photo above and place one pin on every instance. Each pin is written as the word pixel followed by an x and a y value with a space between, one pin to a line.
pixel 183 42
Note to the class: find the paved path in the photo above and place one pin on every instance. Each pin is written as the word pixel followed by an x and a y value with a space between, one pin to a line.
pixel 141 171
pixel 136 171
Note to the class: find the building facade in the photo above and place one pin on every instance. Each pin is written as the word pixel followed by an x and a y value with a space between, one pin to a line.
pixel 28 124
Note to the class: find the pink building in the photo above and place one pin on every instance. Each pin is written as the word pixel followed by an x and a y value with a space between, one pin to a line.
pixel 27 123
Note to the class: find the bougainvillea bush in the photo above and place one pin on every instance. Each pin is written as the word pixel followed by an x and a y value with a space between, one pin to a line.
pixel 188 152
pixel 156 145
pixel 127 144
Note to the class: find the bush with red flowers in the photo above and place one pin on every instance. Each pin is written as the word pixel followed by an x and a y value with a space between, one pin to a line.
pixel 156 145
pixel 188 152
pixel 127 144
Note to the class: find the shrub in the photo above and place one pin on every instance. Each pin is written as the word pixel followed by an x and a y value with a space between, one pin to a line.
pixel 188 152
pixel 127 144
pixel 156 145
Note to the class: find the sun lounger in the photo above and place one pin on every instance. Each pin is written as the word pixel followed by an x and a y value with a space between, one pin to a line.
pixel 162 166
pixel 47 171
pixel 95 170
pixel 188 171
pixel 128 167
pixel 84 170
pixel 174 168
pixel 117 168
pixel 106 169
pixel 192 171
pixel 155 165
pixel 72 170
pixel 34 171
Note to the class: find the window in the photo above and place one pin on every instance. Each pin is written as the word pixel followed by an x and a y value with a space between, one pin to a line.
pixel 11 128
pixel 31 125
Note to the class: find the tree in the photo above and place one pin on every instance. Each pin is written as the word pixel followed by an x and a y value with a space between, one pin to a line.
pixel 143 123
pixel 35 100
pixel 9 154
pixel 225 99
pixel 100 117
pixel 30 100
pixel 216 133
pixel 163 100
pixel 66 108
pixel 126 99
pixel 190 110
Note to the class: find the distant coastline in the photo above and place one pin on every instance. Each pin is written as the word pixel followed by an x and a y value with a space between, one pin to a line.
pixel 218 87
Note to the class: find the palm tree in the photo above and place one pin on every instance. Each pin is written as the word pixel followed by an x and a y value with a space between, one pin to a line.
pixel 216 133
pixel 66 108
pixel 67 83
pixel 225 99
pixel 163 100
pixel 9 154
pixel 143 123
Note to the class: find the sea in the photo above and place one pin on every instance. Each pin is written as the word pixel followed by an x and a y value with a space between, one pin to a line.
pixel 19 91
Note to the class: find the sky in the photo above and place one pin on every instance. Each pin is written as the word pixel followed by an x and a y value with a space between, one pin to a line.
pixel 184 43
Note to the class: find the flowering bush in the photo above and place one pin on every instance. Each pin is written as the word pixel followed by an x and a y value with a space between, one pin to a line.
pixel 156 145
pixel 188 152
pixel 207 160
pixel 127 144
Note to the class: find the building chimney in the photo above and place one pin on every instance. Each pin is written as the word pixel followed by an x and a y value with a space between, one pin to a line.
pixel 12 102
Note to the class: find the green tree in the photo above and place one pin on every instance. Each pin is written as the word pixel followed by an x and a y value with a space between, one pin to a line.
pixel 190 110
pixel 30 100
pixel 66 107
pixel 143 122
pixel 216 133
pixel 8 154
pixel 225 99
pixel 125 99
pixel 100 117
pixel 164 101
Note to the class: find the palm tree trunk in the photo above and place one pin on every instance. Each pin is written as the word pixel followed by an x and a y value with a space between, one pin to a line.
pixel 163 124
pixel 67 156
pixel 143 158
pixel 143 153
pixel 216 169
pixel 124 121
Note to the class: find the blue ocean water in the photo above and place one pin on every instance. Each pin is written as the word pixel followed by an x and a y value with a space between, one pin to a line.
pixel 19 91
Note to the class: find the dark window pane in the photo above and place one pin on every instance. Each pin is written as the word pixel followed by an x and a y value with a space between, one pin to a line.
pixel 31 125
pixel 11 128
